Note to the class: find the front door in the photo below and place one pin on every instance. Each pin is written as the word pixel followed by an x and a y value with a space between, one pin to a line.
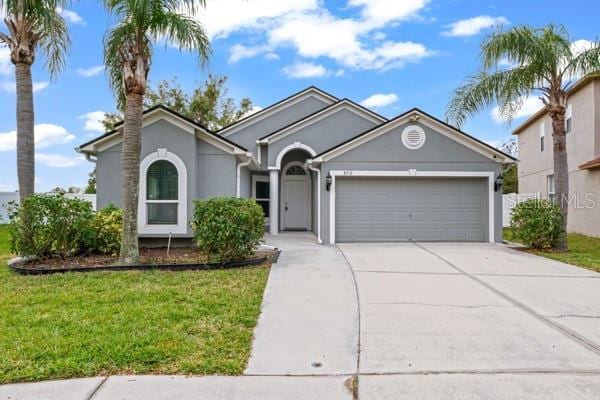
pixel 296 198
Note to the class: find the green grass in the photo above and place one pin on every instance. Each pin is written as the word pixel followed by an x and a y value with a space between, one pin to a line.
pixel 584 251
pixel 154 322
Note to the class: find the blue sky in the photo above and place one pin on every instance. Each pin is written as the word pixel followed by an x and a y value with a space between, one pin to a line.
pixel 391 55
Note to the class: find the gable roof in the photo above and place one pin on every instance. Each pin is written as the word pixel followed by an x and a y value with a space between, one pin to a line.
pixel 414 114
pixel 580 84
pixel 320 114
pixel 88 147
pixel 273 108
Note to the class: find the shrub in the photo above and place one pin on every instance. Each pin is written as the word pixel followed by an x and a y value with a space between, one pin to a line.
pixel 106 231
pixel 228 229
pixel 537 223
pixel 49 225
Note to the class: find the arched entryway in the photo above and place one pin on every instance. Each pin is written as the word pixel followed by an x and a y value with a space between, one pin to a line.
pixel 295 197
pixel 288 184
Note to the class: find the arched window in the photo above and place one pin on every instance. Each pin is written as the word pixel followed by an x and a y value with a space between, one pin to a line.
pixel 163 194
pixel 295 170
pixel 162 184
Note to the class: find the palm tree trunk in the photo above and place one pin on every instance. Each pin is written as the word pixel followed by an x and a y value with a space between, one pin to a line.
pixel 130 165
pixel 25 135
pixel 561 170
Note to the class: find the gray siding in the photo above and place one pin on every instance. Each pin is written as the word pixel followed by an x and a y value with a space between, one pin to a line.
pixel 387 153
pixel 248 136
pixel 210 171
pixel 324 134
pixel 108 177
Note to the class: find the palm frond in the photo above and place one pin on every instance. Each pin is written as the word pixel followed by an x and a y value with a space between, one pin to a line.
pixel 183 31
pixel 506 88
pixel 585 63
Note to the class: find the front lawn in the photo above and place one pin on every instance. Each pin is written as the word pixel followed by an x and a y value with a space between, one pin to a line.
pixel 584 251
pixel 98 323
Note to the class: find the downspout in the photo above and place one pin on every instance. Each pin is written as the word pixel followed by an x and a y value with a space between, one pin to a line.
pixel 239 173
pixel 258 153
pixel 318 172
pixel 88 156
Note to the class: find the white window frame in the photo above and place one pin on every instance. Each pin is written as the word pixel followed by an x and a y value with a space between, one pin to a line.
pixel 261 178
pixel 550 182
pixel 414 173
pixel 181 226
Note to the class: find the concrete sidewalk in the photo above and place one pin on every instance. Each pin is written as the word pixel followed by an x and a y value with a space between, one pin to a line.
pixel 141 387
pixel 309 318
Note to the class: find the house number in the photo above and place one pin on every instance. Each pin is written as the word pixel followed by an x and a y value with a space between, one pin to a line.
pixel 347 173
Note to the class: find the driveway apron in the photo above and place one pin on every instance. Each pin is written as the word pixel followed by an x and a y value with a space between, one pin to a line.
pixel 450 320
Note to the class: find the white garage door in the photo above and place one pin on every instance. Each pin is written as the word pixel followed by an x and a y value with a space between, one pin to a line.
pixel 410 209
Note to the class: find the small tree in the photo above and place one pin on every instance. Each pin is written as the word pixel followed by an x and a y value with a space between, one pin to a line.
pixel 32 25
pixel 128 54
pixel 208 104
pixel 544 63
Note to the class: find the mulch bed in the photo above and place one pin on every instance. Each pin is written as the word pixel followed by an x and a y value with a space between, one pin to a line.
pixel 178 259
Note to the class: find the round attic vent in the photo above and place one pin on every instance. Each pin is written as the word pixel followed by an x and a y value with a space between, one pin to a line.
pixel 413 137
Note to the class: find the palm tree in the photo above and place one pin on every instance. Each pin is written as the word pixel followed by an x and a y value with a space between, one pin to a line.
pixel 543 62
pixel 31 24
pixel 128 55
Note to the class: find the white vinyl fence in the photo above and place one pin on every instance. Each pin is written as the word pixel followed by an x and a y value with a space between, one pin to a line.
pixel 509 201
pixel 7 197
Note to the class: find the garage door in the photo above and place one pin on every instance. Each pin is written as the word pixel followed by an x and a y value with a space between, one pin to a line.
pixel 410 209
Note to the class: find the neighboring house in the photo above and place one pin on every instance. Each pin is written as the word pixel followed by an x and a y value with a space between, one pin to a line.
pixel 316 163
pixel 536 167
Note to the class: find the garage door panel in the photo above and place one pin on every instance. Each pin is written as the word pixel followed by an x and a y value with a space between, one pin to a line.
pixel 405 209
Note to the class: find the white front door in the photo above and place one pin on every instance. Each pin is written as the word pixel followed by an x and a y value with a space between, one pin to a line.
pixel 296 198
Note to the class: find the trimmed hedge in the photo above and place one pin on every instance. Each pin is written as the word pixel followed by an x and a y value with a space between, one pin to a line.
pixel 228 229
pixel 537 223
pixel 57 226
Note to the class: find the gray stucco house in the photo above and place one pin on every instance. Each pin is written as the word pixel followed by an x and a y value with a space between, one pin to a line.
pixel 317 163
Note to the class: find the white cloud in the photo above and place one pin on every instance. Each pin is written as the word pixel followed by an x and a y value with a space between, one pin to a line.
pixel 380 100
pixel 93 121
pixel 37 86
pixel 6 66
pixel 313 32
pixel 45 135
pixel 473 26
pixel 272 56
pixel 383 11
pixel 59 160
pixel 239 52
pixel 579 46
pixel 9 86
pixel 531 105
pixel 70 16
pixel 222 17
pixel 92 71
pixel 305 70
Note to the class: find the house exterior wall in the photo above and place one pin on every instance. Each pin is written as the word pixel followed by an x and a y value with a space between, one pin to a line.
pixel 210 171
pixel 387 153
pixel 583 144
pixel 247 136
pixel 323 134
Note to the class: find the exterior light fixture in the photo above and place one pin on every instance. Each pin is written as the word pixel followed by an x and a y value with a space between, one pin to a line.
pixel 498 183
pixel 328 180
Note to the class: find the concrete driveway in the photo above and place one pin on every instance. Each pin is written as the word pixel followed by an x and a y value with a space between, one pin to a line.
pixel 443 321
pixel 462 321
